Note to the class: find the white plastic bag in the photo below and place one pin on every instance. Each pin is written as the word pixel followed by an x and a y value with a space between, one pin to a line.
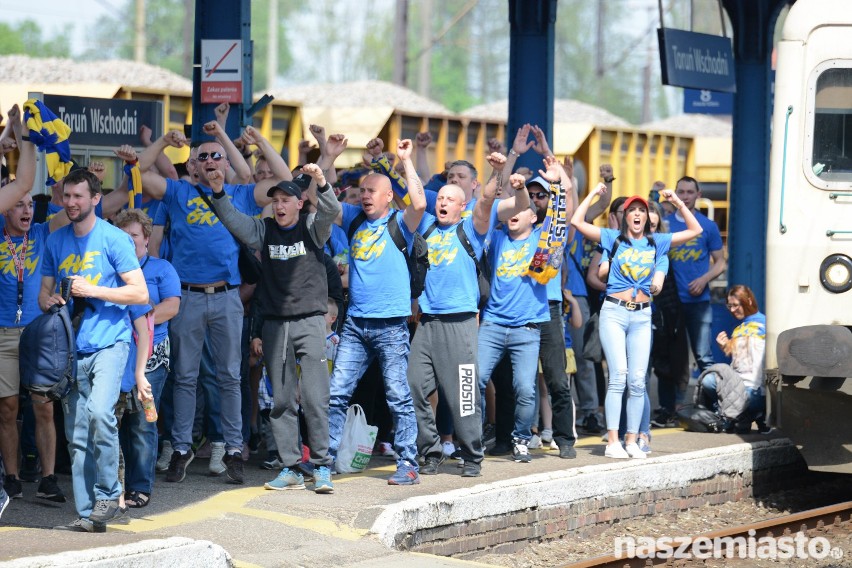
pixel 356 442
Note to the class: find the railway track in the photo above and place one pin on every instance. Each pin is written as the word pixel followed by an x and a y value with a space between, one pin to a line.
pixel 684 551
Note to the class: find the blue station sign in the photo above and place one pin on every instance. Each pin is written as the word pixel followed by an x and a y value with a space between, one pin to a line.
pixel 106 122
pixel 696 61
pixel 697 101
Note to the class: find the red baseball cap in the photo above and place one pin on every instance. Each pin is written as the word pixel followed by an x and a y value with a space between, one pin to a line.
pixel 633 199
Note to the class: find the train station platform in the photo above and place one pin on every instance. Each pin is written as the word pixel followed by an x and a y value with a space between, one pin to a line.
pixel 447 520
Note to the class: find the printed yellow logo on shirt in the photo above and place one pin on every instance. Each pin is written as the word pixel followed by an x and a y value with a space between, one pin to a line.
pixel 366 245
pixel 636 264
pixel 76 264
pixel 7 263
pixel 514 262
pixel 687 252
pixel 441 249
pixel 200 213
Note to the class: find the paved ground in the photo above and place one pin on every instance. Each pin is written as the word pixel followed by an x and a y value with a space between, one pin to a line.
pixel 291 528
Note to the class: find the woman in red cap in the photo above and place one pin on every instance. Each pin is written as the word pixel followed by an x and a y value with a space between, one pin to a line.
pixel 639 263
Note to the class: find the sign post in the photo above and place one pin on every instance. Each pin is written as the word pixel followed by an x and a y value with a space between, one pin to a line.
pixel 221 71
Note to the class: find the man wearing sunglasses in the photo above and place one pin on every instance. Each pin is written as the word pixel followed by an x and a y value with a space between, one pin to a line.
pixel 205 257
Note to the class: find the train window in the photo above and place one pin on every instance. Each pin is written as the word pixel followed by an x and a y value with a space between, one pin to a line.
pixel 831 158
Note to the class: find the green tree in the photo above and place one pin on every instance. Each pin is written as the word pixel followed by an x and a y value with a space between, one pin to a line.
pixel 26 38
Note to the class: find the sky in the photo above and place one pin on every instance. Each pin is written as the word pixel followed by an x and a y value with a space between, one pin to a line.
pixel 55 15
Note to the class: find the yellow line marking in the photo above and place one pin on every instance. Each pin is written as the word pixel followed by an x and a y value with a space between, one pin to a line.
pixel 324 527
pixel 10 529
pixel 244 564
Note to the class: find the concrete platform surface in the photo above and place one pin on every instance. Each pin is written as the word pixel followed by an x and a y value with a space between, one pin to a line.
pixel 354 526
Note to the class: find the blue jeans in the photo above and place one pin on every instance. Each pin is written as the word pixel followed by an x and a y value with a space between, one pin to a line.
pixel 521 344
pixel 91 427
pixel 626 341
pixel 362 340
pixel 220 314
pixel 699 319
pixel 139 440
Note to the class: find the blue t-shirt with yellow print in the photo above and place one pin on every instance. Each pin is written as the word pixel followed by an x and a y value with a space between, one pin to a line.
pixel 36 241
pixel 451 283
pixel 692 259
pixel 100 257
pixel 515 299
pixel 203 250
pixel 635 261
pixel 379 284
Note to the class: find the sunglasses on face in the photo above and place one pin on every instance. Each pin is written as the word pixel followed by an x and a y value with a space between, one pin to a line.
pixel 215 156
pixel 733 306
pixel 538 195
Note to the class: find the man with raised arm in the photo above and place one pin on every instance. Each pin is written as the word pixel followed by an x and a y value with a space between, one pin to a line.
pixel 379 305
pixel 205 257
pixel 442 354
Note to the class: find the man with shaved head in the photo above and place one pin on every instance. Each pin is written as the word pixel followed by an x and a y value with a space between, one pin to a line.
pixel 442 353
pixel 379 305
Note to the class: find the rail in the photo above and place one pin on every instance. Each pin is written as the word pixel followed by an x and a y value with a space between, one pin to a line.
pixel 781 526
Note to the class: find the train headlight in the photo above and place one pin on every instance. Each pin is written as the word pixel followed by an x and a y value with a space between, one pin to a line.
pixel 835 273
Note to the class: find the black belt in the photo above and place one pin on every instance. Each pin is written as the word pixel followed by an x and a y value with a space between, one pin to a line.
pixel 631 306
pixel 208 289
pixel 447 318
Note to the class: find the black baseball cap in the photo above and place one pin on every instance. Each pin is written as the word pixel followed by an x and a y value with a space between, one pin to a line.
pixel 288 187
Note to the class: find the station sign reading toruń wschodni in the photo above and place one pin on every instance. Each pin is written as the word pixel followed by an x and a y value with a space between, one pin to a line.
pixel 696 61
pixel 106 122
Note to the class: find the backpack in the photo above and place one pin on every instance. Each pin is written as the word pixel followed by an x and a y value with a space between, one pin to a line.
pixel 48 351
pixel 417 262
pixel 483 269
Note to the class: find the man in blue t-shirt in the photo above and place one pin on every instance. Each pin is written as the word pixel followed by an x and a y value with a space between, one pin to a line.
pixel 379 305
pixel 695 264
pixel 100 261
pixel 205 256
pixel 511 320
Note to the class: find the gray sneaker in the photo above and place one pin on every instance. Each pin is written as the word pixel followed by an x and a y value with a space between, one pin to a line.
pixel 234 468
pixel 82 525
pixel 104 510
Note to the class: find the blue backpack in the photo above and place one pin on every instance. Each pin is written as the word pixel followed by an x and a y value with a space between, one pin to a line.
pixel 48 351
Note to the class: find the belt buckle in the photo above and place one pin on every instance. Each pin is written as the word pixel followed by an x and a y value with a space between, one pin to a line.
pixel 210 289
pixel 631 306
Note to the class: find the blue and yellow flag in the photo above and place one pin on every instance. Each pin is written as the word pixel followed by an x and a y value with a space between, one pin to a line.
pixel 382 165
pixel 50 135
pixel 548 255
pixel 134 185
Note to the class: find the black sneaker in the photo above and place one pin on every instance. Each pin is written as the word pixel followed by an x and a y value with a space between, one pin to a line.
pixel 591 424
pixel 664 419
pixel 489 435
pixel 30 469
pixel 178 465
pixel 13 487
pixel 49 489
pixel 234 465
pixel 430 467
pixel 104 510
pixel 567 453
pixel 471 469
pixel 520 453
pixel 83 525
pixel 500 449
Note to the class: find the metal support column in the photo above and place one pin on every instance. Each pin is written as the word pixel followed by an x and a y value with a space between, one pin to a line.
pixel 531 59
pixel 221 19
pixel 754 24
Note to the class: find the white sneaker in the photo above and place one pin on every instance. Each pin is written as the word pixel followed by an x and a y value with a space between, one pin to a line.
pixel 554 445
pixel 217 452
pixel 535 442
pixel 616 451
pixel 165 456
pixel 448 448
pixel 635 452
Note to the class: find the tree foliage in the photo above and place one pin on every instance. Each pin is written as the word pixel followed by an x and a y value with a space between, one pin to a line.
pixel 26 38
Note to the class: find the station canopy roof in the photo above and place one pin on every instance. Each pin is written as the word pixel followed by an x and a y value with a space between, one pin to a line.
pixel 20 75
pixel 360 109
pixel 573 121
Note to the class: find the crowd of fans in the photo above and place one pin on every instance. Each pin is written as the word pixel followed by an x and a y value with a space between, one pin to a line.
pixel 275 298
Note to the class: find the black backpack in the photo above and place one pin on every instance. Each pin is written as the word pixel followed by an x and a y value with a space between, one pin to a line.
pixel 483 268
pixel 48 351
pixel 417 262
